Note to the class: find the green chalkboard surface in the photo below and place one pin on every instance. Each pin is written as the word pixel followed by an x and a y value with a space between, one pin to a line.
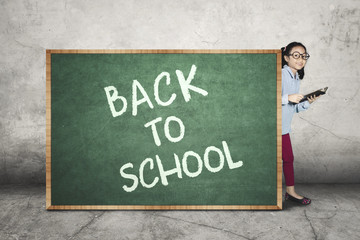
pixel 163 129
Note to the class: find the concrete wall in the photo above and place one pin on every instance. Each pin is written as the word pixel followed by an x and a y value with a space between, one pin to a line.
pixel 326 138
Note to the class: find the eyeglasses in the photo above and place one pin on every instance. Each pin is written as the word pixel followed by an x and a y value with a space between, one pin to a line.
pixel 297 55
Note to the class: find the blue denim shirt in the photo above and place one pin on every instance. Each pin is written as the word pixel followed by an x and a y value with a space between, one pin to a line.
pixel 290 85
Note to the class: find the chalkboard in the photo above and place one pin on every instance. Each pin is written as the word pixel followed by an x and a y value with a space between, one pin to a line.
pixel 163 129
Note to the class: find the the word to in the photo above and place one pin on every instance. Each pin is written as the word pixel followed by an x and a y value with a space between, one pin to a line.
pixel 166 129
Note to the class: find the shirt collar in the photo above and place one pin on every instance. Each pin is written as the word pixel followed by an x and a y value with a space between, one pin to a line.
pixel 291 73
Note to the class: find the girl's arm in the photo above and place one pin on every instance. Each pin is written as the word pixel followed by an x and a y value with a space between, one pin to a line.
pixel 284 97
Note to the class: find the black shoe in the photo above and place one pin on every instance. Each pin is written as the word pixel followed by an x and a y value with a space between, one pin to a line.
pixel 303 201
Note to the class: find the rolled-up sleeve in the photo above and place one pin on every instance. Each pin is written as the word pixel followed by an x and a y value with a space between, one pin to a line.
pixel 302 106
pixel 285 99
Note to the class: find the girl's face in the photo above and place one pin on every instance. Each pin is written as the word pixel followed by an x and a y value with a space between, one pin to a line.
pixel 296 64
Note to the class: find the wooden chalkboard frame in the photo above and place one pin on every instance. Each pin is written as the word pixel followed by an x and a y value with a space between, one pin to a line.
pixel 49 205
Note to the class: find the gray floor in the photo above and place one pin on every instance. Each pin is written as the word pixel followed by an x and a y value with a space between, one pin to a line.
pixel 333 214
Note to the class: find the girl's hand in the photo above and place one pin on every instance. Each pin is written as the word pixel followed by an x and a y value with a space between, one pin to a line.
pixel 312 99
pixel 295 98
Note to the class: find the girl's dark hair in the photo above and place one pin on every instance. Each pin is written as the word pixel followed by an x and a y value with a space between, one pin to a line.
pixel 286 51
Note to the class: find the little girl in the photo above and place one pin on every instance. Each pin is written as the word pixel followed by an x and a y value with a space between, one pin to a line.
pixel 294 57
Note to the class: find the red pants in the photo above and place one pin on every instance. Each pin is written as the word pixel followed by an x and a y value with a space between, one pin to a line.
pixel 288 160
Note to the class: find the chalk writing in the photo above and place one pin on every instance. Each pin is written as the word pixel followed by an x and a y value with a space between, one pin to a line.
pixel 140 96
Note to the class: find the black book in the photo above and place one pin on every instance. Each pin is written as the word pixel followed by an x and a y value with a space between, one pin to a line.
pixel 317 93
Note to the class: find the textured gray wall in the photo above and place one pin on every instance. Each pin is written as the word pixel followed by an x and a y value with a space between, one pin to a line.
pixel 325 138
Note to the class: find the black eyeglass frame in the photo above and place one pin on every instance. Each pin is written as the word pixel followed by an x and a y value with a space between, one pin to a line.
pixel 304 56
